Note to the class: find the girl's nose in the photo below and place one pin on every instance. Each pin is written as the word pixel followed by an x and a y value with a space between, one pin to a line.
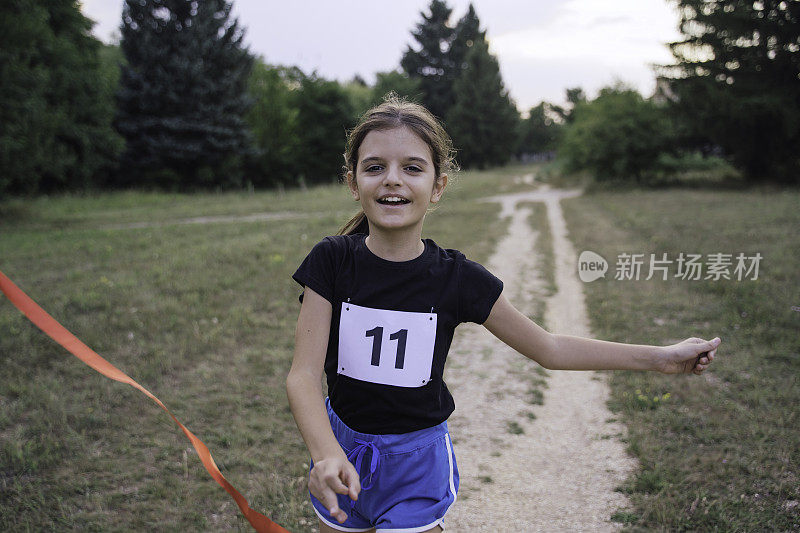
pixel 392 176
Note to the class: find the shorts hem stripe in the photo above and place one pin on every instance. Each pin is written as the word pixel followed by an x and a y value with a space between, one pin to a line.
pixel 440 521
pixel 450 460
pixel 412 529
pixel 337 526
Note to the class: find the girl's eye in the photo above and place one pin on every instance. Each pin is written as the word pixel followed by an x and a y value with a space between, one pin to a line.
pixel 373 168
pixel 413 168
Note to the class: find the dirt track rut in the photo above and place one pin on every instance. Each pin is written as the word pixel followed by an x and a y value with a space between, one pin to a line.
pixel 556 472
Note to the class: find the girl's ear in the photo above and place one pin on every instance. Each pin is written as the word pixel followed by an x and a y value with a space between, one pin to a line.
pixel 351 182
pixel 438 188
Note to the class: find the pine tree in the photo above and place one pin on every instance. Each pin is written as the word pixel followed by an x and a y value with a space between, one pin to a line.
pixel 483 120
pixel 467 32
pixel 54 108
pixel 183 94
pixel 431 64
pixel 737 81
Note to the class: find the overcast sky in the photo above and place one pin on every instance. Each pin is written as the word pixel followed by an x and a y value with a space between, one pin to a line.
pixel 543 46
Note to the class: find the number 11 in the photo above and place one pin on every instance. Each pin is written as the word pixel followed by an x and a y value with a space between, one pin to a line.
pixel 377 336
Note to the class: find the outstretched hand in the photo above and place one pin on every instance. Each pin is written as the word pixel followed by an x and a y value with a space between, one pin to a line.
pixel 332 476
pixel 692 355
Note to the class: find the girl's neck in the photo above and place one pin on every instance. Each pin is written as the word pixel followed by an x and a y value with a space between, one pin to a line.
pixel 394 247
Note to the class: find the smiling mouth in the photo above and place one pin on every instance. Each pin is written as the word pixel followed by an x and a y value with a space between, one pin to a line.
pixel 393 200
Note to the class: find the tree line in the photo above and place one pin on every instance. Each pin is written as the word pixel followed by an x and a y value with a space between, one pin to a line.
pixel 181 104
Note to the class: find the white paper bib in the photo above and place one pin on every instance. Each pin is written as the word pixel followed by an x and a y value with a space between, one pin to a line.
pixel 385 346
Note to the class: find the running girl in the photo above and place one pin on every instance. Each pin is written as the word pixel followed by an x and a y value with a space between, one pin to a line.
pixel 379 308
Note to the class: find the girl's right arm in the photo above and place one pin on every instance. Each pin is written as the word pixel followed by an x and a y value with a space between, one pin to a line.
pixel 332 472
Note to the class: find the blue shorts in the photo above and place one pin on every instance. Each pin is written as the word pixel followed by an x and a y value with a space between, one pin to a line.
pixel 408 480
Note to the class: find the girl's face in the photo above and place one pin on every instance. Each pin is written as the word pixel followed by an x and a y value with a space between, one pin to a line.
pixel 395 180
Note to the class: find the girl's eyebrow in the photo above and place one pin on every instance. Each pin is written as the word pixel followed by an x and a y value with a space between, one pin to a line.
pixel 379 159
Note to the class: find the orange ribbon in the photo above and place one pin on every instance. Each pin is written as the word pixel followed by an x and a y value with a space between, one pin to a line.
pixel 61 335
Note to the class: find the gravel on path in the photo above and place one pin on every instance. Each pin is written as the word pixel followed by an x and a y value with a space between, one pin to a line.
pixel 559 471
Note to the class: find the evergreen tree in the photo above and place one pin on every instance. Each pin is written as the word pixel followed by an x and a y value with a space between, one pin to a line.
pixel 56 118
pixel 483 120
pixel 182 97
pixel 467 32
pixel 431 64
pixel 737 81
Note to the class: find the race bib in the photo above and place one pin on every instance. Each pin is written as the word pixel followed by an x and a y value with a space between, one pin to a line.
pixel 386 347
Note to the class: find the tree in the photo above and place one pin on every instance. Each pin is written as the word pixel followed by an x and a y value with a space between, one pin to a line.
pixel 737 81
pixel 431 64
pixel 397 82
pixel 539 132
pixel 359 94
pixel 182 98
pixel 574 96
pixel 55 114
pixel 483 119
pixel 619 135
pixel 273 120
pixel 467 32
pixel 323 116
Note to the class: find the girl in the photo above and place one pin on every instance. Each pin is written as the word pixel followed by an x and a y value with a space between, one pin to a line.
pixel 379 308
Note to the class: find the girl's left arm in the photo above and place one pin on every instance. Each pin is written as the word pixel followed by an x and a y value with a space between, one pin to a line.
pixel 567 352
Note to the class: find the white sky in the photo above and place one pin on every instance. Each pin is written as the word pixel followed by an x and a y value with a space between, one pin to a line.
pixel 543 46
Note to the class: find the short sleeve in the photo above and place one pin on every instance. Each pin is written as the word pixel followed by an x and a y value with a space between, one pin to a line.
pixel 318 269
pixel 479 289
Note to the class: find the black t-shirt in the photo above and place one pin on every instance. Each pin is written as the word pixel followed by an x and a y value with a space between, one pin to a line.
pixel 397 329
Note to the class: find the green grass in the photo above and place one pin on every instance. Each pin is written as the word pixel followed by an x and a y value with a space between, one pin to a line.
pixel 201 315
pixel 718 452
pixel 514 428
pixel 546 259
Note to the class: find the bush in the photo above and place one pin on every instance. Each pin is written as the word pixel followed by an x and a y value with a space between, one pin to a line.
pixel 617 136
pixel 695 167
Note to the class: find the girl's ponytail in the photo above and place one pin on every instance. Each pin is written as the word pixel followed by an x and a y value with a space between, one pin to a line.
pixel 357 224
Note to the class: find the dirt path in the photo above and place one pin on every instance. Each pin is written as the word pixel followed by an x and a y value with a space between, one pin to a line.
pixel 559 473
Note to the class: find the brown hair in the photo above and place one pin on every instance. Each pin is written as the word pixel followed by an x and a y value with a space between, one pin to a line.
pixel 395 112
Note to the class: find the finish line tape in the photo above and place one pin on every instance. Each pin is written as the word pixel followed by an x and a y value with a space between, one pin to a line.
pixel 62 336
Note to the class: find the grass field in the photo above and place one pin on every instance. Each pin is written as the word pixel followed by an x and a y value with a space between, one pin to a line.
pixel 721 451
pixel 203 316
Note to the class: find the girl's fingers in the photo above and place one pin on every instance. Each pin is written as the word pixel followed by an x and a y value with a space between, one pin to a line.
pixel 353 483
pixel 331 503
pixel 339 515
pixel 327 497
pixel 337 486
